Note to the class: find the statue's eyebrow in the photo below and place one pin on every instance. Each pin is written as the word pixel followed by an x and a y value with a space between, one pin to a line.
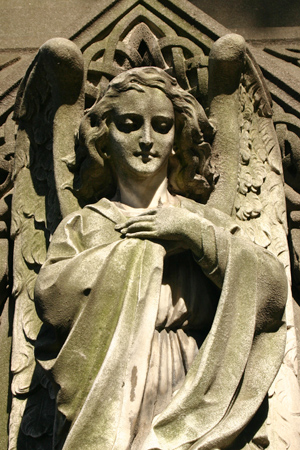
pixel 163 116
pixel 129 115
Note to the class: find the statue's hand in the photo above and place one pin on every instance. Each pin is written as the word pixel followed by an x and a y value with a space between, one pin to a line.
pixel 166 223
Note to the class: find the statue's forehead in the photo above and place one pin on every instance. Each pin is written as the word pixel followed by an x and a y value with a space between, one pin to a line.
pixel 151 99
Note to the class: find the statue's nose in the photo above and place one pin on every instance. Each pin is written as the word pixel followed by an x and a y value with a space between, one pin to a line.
pixel 146 141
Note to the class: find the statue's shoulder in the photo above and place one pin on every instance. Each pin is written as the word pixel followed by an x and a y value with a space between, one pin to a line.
pixel 90 226
pixel 90 217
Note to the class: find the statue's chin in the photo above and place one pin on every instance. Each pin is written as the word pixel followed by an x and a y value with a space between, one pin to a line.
pixel 141 166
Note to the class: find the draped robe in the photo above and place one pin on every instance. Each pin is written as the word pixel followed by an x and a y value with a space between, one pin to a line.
pixel 100 297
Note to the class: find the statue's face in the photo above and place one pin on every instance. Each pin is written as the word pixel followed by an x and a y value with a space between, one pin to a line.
pixel 141 133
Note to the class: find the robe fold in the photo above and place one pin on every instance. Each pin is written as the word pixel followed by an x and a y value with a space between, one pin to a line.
pixel 119 331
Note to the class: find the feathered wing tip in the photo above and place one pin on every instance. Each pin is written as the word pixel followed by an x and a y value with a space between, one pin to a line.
pixel 48 109
pixel 253 79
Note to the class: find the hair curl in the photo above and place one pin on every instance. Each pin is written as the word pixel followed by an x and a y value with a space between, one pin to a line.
pixel 190 172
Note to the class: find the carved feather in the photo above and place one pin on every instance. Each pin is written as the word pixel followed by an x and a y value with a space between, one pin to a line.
pixel 249 157
pixel 261 212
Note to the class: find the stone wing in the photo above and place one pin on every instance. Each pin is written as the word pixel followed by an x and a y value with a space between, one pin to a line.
pixel 48 110
pixel 251 189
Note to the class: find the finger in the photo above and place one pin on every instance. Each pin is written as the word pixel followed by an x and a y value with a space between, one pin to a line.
pixel 133 220
pixel 138 226
pixel 142 235
pixel 150 212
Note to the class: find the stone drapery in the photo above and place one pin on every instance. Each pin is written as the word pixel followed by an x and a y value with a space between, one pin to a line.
pixel 99 295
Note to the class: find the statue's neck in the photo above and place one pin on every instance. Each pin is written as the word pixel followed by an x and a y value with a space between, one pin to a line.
pixel 142 194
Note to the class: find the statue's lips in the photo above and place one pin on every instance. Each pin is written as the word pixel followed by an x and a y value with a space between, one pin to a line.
pixel 146 155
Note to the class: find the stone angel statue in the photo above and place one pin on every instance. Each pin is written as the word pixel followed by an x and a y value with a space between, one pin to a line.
pixel 150 261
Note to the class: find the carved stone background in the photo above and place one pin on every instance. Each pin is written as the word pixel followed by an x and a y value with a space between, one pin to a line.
pixel 150 32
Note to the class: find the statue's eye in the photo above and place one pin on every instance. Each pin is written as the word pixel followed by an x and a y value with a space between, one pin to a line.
pixel 128 123
pixel 162 125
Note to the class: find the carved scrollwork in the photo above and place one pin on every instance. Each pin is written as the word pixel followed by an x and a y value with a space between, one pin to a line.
pixel 145 44
pixel 290 53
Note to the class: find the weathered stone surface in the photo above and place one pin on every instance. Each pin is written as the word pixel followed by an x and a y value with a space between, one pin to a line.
pixel 240 162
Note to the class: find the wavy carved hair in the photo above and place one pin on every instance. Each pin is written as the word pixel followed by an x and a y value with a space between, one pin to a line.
pixel 190 172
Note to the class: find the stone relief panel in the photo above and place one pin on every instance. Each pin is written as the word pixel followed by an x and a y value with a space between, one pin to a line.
pixel 289 53
pixel 146 43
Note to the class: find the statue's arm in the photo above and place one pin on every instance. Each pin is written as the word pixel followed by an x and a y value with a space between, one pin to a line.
pixel 228 257
pixel 212 237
